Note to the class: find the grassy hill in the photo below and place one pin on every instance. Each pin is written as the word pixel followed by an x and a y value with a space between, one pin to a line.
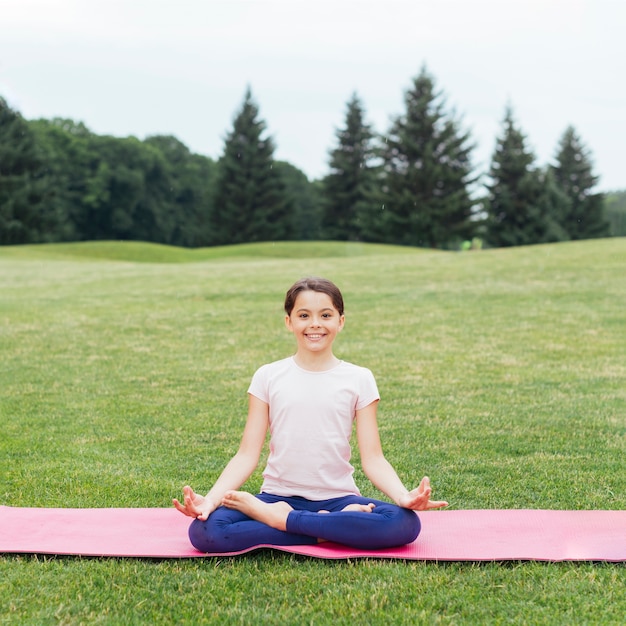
pixel 141 252
pixel 124 374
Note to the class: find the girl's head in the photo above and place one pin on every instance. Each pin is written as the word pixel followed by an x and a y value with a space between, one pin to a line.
pixel 313 283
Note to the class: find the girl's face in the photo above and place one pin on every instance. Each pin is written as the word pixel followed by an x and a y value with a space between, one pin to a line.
pixel 314 321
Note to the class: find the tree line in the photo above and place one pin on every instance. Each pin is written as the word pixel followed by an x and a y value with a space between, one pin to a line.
pixel 415 185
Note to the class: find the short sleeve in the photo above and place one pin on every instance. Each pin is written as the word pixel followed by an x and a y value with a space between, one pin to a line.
pixel 368 389
pixel 258 385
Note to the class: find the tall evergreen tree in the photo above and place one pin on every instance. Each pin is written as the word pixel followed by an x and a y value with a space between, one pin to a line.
pixel 251 203
pixel 348 199
pixel 25 217
pixel 427 172
pixel 573 173
pixel 523 204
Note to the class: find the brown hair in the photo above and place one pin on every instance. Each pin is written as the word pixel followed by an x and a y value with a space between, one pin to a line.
pixel 313 283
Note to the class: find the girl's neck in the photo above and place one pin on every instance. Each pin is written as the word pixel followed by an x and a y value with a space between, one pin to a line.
pixel 316 362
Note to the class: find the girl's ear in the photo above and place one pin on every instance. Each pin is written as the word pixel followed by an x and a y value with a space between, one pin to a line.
pixel 288 322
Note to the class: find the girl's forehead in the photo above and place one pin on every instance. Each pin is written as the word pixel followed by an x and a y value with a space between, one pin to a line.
pixel 313 299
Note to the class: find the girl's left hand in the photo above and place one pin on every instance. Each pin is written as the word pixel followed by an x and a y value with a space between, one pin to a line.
pixel 419 499
pixel 194 505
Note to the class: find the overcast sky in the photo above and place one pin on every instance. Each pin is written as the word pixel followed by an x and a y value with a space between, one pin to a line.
pixel 181 67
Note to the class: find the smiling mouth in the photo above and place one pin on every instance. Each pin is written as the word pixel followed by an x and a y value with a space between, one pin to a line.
pixel 314 336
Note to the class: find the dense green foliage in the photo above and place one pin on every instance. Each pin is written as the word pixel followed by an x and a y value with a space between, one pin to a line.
pixel 415 185
pixel 190 179
pixel 25 214
pixel 615 210
pixel 124 373
pixel 305 197
pixel 103 187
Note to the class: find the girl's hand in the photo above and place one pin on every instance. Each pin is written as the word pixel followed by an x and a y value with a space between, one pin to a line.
pixel 194 505
pixel 419 499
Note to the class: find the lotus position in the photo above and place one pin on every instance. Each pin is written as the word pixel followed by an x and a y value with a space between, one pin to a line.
pixel 309 402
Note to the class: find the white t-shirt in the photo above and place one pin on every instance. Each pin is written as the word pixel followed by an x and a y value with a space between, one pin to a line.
pixel 311 416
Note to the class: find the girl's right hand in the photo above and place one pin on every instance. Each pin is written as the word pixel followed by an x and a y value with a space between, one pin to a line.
pixel 195 505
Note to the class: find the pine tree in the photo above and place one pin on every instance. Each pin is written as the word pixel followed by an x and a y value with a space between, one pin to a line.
pixel 573 173
pixel 523 205
pixel 427 172
pixel 251 203
pixel 347 190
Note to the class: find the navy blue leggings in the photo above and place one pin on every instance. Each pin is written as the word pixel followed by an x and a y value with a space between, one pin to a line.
pixel 387 526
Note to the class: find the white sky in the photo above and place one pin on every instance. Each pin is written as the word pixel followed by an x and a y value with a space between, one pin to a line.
pixel 180 67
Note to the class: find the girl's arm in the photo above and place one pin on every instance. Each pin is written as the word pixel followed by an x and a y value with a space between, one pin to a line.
pixel 238 469
pixel 380 471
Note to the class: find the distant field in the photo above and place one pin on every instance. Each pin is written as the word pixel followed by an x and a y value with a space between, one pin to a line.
pixel 124 373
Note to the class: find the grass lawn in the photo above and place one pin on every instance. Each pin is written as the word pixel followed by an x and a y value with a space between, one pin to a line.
pixel 123 376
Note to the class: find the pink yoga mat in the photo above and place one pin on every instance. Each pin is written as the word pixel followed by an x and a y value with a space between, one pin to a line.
pixel 472 535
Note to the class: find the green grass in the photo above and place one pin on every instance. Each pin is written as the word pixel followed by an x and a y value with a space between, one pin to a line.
pixel 123 376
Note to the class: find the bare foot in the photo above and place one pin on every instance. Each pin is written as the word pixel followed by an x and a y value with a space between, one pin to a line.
pixel 364 508
pixel 274 515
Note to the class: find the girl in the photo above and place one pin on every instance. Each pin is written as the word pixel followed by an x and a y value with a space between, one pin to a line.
pixel 309 402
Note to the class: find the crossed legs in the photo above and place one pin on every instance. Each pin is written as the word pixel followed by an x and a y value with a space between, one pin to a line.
pixel 246 521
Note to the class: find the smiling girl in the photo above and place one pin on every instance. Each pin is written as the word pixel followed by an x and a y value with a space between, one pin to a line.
pixel 309 402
